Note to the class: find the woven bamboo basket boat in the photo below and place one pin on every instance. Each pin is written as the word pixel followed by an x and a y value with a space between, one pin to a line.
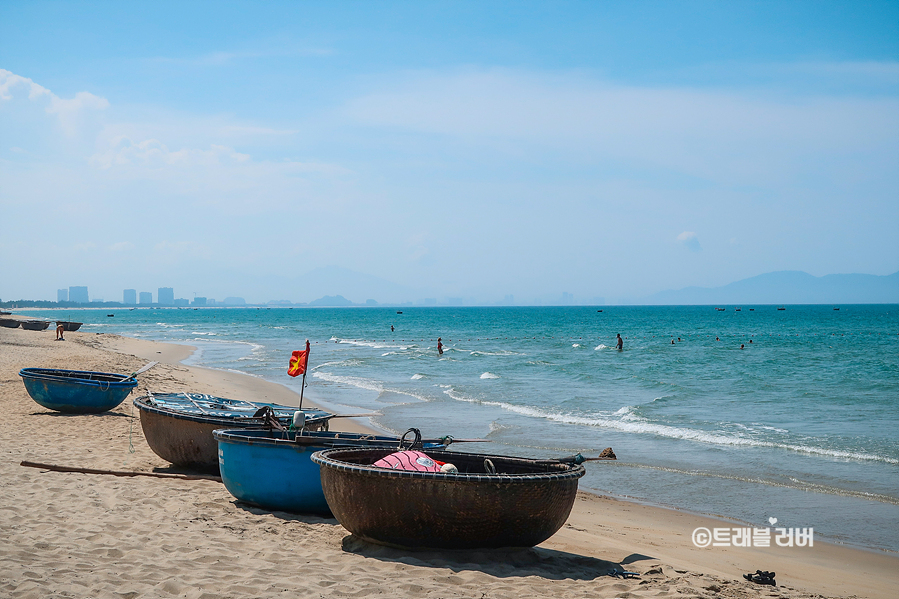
pixel 524 503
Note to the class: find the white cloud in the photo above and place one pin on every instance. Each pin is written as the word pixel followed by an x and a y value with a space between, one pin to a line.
pixel 689 240
pixel 122 246
pixel 69 111
pixel 735 137
pixel 9 80
pixel 154 153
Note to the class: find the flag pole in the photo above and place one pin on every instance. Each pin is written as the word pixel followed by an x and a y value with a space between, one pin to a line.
pixel 302 388
pixel 305 366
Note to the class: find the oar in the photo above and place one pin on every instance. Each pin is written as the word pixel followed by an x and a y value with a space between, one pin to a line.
pixel 137 372
pixel 575 459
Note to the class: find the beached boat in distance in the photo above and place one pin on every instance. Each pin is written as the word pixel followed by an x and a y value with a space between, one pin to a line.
pixel 68 325
pixel 35 325
pixel 10 323
pixel 76 391
pixel 271 469
pixel 178 426
pixel 493 501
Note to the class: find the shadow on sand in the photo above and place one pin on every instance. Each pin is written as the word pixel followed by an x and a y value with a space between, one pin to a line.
pixel 502 563
pixel 286 516
pixel 71 415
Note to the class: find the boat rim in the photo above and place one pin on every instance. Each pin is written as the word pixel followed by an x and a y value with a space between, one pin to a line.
pixel 566 471
pixel 224 421
pixel 44 374
pixel 240 436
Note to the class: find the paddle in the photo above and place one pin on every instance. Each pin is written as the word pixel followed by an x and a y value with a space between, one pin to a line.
pixel 137 372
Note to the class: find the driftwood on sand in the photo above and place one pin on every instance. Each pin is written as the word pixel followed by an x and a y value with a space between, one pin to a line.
pixel 57 468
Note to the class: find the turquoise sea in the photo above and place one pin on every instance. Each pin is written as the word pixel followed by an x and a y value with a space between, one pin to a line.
pixel 802 424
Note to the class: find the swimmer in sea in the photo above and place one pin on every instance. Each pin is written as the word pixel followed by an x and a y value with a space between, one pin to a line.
pixel 439 346
pixel 619 345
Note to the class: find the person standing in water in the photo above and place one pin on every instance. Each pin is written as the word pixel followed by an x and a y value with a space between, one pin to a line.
pixel 619 344
pixel 439 346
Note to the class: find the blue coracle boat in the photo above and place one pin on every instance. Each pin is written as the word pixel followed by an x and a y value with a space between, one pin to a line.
pixel 272 469
pixel 76 391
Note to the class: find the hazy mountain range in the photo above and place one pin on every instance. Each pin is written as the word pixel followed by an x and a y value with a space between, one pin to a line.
pixel 789 287
pixel 784 287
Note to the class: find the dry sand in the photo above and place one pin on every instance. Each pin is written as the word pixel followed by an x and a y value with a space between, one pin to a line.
pixel 79 535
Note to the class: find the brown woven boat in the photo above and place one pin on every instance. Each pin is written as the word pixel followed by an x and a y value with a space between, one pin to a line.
pixel 524 503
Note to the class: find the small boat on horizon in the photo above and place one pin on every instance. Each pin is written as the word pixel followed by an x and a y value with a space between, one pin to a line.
pixel 781 308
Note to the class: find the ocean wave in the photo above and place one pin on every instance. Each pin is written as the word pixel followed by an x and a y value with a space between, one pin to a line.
pixel 371 344
pixel 416 376
pixel 601 346
pixel 489 375
pixel 202 333
pixel 575 345
pixel 355 381
pixel 349 362
pixel 794 483
pixel 478 352
pixel 630 422
pixel 368 384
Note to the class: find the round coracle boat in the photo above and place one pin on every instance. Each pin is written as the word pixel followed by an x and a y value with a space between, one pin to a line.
pixel 68 325
pixel 10 323
pixel 272 469
pixel 493 501
pixel 178 426
pixel 76 391
pixel 35 325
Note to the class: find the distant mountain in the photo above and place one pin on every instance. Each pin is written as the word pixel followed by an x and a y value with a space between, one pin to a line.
pixel 332 301
pixel 790 287
pixel 357 286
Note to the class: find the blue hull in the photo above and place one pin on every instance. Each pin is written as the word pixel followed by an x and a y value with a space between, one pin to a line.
pixel 268 469
pixel 74 391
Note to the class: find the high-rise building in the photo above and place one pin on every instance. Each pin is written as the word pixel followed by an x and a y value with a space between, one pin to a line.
pixel 129 296
pixel 165 296
pixel 62 295
pixel 79 295
pixel 199 301
pixel 146 298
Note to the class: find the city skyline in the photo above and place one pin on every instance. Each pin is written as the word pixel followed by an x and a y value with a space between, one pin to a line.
pixel 769 288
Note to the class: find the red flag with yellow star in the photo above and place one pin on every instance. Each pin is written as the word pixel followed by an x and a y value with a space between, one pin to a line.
pixel 298 361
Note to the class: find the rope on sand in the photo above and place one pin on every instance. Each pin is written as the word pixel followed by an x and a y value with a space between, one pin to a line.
pixel 56 468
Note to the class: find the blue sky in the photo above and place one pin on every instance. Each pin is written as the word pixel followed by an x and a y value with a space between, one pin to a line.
pixel 455 149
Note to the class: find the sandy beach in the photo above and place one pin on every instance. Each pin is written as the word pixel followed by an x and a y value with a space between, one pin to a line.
pixel 80 535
